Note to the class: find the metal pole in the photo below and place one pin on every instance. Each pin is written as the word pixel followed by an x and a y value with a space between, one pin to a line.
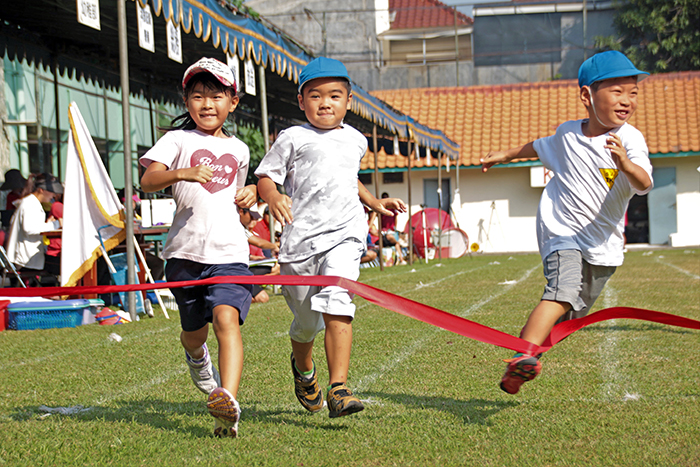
pixel 439 193
pixel 106 111
pixel 410 202
pixel 126 121
pixel 376 195
pixel 266 137
pixel 58 119
pixel 39 125
pixel 263 108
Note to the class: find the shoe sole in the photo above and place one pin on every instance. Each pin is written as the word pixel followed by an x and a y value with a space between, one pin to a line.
pixel 221 405
pixel 518 376
pixel 223 429
pixel 349 410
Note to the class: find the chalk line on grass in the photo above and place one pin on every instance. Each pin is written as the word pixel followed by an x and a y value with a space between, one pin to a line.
pixel 142 387
pixel 613 378
pixel 403 354
pixel 678 268
pixel 420 285
pixel 97 345
pixel 503 290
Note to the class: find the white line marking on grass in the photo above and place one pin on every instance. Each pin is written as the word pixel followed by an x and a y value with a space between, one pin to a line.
pixel 142 387
pixel 421 285
pixel 401 355
pixel 613 379
pixel 506 288
pixel 399 272
pixel 100 344
pixel 677 268
pixel 389 365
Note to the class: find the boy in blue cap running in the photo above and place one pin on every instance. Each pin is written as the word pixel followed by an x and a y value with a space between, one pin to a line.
pixel 325 227
pixel 599 164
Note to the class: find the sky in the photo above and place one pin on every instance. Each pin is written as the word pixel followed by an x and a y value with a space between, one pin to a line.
pixel 465 6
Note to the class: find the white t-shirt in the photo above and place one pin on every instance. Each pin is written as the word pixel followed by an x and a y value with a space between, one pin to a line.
pixel 583 206
pixel 318 169
pixel 206 227
pixel 25 246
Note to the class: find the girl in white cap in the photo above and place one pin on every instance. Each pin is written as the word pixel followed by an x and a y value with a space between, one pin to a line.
pixel 207 169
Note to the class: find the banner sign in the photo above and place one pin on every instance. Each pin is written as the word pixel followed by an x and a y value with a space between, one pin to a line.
pixel 89 13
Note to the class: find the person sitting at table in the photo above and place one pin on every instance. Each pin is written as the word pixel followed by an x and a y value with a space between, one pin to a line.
pixel 25 246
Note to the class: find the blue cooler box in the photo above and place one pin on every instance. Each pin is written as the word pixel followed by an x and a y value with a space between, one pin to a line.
pixel 46 315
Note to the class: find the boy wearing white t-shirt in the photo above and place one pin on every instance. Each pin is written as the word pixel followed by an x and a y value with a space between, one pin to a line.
pixel 325 228
pixel 598 163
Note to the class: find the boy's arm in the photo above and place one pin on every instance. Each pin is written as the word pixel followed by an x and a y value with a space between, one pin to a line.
pixel 247 196
pixel 381 206
pixel 526 151
pixel 158 177
pixel 263 244
pixel 280 205
pixel 638 177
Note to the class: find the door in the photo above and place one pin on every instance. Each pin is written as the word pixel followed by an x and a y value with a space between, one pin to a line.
pixel 430 194
pixel 662 206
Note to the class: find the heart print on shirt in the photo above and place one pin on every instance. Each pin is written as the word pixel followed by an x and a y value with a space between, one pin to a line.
pixel 224 167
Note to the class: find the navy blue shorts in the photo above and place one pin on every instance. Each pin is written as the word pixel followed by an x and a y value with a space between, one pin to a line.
pixel 196 303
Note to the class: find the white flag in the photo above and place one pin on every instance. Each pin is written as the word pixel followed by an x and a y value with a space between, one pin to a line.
pixel 89 202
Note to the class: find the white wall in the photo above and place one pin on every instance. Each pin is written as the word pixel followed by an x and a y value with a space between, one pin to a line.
pixel 687 199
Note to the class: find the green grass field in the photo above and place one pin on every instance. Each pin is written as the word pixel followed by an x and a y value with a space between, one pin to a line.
pixel 617 393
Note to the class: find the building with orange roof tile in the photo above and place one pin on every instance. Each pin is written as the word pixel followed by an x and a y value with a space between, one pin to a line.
pixel 497 210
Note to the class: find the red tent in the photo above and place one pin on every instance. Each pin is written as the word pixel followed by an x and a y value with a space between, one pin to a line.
pixel 434 218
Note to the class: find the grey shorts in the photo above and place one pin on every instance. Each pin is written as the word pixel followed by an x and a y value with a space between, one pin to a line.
pixel 310 303
pixel 573 280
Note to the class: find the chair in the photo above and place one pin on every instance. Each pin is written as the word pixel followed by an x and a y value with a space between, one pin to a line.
pixel 7 266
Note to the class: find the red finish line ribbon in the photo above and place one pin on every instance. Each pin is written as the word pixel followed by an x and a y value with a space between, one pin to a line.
pixel 396 303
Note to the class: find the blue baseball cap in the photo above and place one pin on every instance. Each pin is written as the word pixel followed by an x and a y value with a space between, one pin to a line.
pixel 606 65
pixel 322 67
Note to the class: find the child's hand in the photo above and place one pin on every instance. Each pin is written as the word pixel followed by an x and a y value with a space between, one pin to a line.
pixel 493 158
pixel 281 207
pixel 247 196
pixel 385 204
pixel 200 174
pixel 617 151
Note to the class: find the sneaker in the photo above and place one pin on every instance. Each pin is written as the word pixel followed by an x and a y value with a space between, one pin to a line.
pixel 520 370
pixel 307 390
pixel 226 412
pixel 204 374
pixel 341 401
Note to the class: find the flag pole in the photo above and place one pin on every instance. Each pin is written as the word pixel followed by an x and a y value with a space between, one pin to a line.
pixel 128 187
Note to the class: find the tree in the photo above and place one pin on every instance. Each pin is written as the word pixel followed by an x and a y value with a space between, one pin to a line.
pixel 253 137
pixel 657 35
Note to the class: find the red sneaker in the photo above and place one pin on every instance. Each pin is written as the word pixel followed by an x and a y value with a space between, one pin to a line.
pixel 520 370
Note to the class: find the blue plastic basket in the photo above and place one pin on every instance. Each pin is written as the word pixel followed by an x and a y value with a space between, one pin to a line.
pixel 24 316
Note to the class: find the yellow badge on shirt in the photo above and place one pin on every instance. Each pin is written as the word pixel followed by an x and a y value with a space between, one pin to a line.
pixel 609 175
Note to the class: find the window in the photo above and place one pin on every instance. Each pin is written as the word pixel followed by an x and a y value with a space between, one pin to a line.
pixel 392 177
pixel 517 39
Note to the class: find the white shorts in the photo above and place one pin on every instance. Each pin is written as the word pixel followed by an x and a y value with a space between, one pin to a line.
pixel 310 303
